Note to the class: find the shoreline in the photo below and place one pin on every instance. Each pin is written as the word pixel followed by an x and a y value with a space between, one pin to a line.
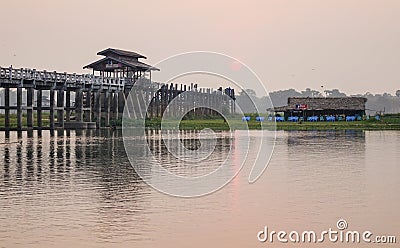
pixel 388 122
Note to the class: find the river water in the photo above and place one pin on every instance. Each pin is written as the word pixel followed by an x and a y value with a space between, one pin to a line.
pixel 78 189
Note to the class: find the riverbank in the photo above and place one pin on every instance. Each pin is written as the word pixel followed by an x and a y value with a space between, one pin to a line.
pixel 389 122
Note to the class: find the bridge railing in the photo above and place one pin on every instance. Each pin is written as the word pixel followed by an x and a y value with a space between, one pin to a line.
pixel 65 78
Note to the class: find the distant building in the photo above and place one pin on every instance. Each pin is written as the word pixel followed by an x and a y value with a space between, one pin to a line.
pixel 323 106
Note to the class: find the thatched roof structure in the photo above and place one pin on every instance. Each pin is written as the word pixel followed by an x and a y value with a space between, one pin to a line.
pixel 324 103
pixel 116 59
pixel 128 54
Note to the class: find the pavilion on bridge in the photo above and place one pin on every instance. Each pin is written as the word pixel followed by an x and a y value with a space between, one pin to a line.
pixel 121 64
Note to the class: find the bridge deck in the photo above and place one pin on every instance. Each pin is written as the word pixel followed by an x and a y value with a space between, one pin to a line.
pixel 13 78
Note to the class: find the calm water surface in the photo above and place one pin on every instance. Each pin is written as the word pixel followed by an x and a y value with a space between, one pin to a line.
pixel 79 190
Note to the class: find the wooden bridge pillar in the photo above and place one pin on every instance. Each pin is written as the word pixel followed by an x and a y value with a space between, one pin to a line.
pixel 209 101
pixel 68 105
pixel 107 108
pixel 142 103
pixel 115 107
pixel 19 108
pixel 88 109
pixel 7 107
pixel 97 108
pixel 51 117
pixel 126 95
pixel 150 110
pixel 121 104
pixel 29 109
pixel 39 98
pixel 78 105
pixel 60 108
pixel 110 107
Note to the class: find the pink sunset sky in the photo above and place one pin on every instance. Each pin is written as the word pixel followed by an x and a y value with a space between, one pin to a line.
pixel 352 45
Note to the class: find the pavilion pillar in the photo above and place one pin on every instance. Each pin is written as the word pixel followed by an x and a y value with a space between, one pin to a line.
pixel 60 108
pixel 29 109
pixel 7 108
pixel 19 108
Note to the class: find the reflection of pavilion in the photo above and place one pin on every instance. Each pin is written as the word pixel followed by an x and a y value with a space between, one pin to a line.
pixel 121 64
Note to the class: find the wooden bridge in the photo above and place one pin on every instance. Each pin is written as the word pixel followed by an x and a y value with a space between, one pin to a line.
pixel 74 101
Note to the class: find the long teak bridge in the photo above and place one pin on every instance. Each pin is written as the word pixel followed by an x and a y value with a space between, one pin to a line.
pixel 94 100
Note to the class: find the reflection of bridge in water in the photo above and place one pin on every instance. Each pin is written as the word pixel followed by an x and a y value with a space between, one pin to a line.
pixel 42 155
pixel 95 100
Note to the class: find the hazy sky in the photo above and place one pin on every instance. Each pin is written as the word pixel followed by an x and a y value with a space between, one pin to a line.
pixel 353 45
